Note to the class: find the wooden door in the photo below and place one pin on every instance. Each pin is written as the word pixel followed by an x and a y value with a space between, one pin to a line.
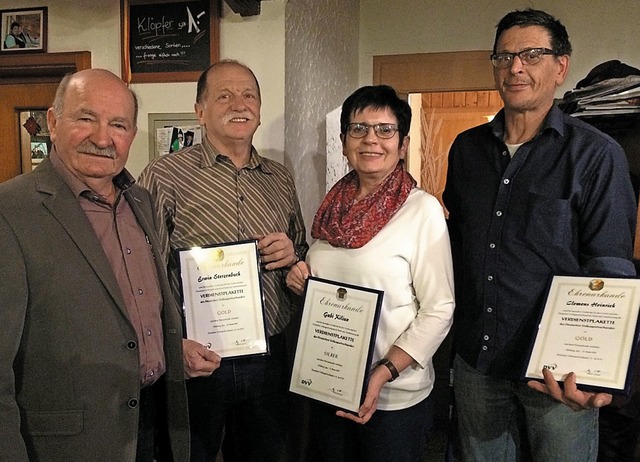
pixel 13 100
pixel 29 82
pixel 438 118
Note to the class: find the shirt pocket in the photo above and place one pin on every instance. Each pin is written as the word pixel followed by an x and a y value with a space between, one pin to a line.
pixel 546 223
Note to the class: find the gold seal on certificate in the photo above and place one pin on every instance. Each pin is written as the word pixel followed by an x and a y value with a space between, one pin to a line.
pixel 222 298
pixel 588 327
pixel 335 344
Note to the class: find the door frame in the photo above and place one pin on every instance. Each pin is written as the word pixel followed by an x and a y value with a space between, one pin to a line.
pixel 427 72
pixel 42 68
pixel 38 70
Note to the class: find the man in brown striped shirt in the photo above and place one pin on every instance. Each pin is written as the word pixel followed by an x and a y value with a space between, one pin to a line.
pixel 223 191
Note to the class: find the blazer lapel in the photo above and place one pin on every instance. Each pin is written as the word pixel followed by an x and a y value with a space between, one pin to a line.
pixel 63 205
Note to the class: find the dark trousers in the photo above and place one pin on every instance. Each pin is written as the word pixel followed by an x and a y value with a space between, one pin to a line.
pixel 241 408
pixel 153 436
pixel 390 436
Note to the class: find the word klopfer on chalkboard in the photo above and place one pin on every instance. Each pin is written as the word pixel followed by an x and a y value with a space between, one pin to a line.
pixel 170 37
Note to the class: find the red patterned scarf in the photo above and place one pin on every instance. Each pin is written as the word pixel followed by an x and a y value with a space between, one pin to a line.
pixel 343 222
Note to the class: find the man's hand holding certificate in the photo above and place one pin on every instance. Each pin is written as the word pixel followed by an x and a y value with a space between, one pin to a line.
pixel 588 327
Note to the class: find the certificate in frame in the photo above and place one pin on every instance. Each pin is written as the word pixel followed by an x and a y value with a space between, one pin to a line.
pixel 589 326
pixel 335 344
pixel 222 298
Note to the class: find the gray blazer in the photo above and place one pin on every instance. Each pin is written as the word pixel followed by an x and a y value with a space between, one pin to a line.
pixel 69 380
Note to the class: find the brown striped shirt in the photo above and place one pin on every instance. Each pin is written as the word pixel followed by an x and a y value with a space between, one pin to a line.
pixel 204 199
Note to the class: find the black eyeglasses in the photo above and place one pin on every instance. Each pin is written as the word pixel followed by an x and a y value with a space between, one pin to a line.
pixel 384 131
pixel 528 56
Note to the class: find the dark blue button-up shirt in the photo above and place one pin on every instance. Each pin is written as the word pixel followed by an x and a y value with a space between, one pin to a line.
pixel 563 205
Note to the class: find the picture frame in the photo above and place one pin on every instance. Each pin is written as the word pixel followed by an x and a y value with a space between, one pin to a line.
pixel 23 30
pixel 159 122
pixel 168 40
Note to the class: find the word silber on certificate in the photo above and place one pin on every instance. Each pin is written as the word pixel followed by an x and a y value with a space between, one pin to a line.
pixel 335 344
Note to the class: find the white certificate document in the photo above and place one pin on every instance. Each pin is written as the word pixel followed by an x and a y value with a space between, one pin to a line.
pixel 222 298
pixel 588 326
pixel 335 344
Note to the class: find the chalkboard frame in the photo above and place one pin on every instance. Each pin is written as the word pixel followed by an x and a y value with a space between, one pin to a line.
pixel 176 75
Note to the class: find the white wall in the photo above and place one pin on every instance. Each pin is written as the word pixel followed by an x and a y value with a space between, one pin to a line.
pixel 257 41
pixel 599 30
pixel 321 71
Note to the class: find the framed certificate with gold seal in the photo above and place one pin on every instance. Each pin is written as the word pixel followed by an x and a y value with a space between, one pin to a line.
pixel 589 326
pixel 222 298
pixel 335 344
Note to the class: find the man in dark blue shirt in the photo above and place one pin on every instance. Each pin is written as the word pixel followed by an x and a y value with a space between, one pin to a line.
pixel 532 194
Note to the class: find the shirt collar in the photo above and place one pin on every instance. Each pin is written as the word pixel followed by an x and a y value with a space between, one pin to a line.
pixel 212 156
pixel 554 120
pixel 123 180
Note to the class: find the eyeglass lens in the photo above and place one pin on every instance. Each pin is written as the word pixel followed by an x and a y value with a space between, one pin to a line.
pixel 357 130
pixel 528 56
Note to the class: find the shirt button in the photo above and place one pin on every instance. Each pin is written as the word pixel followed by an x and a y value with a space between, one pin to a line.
pixel 506 181
pixel 489 309
pixel 131 345
pixel 486 337
pixel 489 278
pixel 140 291
pixel 132 403
pixel 128 251
pixel 484 348
pixel 148 331
pixel 241 198
pixel 492 246
pixel 504 153
pixel 242 229
pixel 499 213
pixel 151 373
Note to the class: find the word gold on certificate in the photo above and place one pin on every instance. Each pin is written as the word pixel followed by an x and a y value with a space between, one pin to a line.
pixel 222 294
pixel 588 327
pixel 335 344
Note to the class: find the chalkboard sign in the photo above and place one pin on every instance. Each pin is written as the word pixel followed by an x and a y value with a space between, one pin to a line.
pixel 169 41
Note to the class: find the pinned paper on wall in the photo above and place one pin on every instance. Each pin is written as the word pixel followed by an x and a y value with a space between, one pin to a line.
pixel 337 164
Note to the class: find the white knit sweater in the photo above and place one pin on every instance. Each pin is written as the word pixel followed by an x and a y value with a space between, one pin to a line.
pixel 410 260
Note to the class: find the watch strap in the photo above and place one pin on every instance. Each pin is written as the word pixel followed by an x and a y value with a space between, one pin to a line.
pixel 392 368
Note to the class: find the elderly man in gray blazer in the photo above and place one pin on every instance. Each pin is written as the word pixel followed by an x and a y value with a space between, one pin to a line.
pixel 90 337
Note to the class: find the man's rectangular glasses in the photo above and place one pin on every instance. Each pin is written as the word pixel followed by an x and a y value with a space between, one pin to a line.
pixel 528 56
pixel 384 131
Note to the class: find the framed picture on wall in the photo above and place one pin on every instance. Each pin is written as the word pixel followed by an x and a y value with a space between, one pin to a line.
pixel 24 30
pixel 170 132
pixel 168 40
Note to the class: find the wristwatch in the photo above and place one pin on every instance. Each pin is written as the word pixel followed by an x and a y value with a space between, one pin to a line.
pixel 389 365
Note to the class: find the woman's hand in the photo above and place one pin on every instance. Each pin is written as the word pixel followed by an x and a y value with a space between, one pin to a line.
pixel 379 376
pixel 297 276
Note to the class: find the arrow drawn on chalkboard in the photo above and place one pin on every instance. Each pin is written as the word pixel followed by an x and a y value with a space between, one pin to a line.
pixel 193 23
